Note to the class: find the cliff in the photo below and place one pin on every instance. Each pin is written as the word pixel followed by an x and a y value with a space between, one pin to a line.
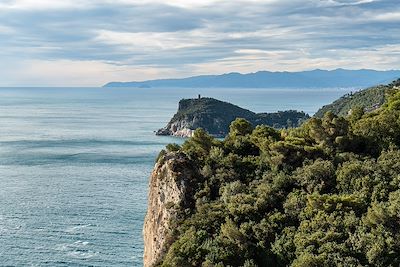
pixel 170 191
pixel 215 116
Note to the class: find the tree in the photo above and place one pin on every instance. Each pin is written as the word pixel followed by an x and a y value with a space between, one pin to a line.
pixel 240 127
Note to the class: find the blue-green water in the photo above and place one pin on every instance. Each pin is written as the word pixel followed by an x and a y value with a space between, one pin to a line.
pixel 74 166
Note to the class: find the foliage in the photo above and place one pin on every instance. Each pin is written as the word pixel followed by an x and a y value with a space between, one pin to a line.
pixel 368 99
pixel 323 194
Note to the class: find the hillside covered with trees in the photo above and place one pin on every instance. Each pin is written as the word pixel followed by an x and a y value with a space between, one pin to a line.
pixel 368 99
pixel 324 194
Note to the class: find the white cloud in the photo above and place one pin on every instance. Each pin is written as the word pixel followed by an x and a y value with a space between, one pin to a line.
pixel 179 3
pixel 6 30
pixel 345 2
pixel 261 53
pixel 145 41
pixel 388 17
pixel 40 4
pixel 60 4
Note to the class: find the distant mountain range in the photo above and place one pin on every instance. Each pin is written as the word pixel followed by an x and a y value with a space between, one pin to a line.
pixel 267 79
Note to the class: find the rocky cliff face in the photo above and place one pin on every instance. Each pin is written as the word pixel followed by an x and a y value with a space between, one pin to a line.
pixel 179 128
pixel 171 190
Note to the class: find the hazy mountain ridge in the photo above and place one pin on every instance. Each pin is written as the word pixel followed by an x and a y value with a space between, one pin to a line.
pixel 267 79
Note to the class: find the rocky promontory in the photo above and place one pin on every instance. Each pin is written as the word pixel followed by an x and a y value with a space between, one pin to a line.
pixel 215 116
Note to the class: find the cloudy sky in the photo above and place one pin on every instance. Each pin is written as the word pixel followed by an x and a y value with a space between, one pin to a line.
pixel 91 42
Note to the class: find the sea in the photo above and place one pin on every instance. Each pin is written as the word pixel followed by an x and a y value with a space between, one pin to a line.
pixel 75 164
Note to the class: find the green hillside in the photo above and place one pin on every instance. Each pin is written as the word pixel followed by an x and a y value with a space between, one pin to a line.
pixel 368 99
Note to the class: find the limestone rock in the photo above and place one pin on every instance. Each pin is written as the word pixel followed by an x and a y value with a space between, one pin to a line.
pixel 171 190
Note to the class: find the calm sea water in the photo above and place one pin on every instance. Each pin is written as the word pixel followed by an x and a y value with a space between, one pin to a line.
pixel 75 162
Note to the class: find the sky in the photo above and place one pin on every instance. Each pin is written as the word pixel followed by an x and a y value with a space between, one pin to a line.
pixel 92 42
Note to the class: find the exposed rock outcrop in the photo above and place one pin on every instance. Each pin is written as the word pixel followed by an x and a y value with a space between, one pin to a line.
pixel 215 116
pixel 171 190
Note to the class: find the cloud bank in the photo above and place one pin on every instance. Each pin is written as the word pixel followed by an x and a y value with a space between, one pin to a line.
pixel 91 42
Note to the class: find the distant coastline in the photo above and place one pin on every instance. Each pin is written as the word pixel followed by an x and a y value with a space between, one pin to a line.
pixel 267 79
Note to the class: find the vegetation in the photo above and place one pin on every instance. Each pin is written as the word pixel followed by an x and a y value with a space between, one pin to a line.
pixel 323 194
pixel 368 99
